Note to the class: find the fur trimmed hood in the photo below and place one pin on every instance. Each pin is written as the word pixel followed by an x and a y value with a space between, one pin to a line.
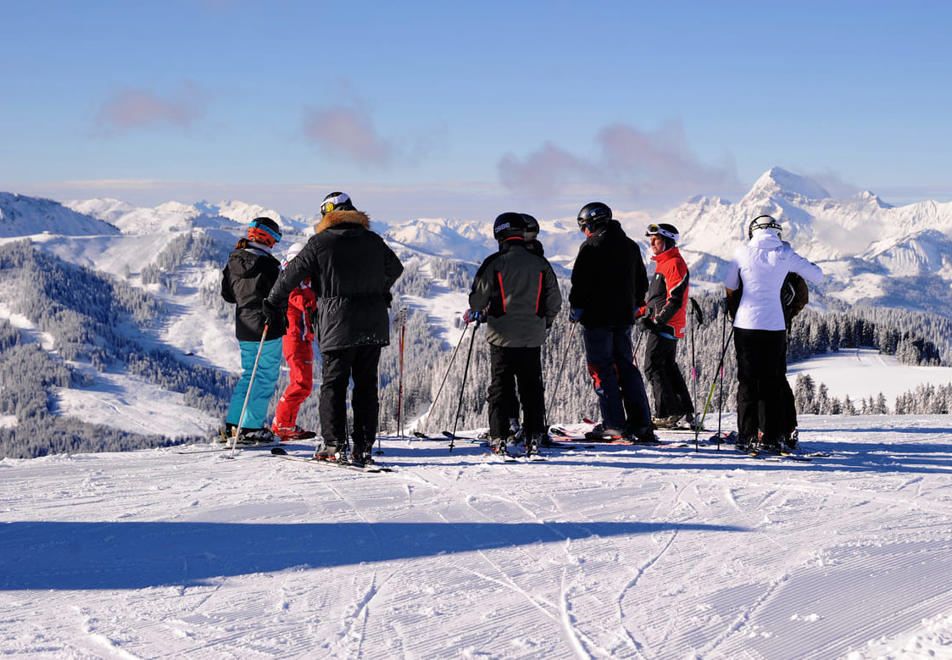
pixel 335 218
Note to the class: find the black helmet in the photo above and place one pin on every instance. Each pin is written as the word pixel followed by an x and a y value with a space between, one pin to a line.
pixel 763 222
pixel 509 225
pixel 666 231
pixel 593 215
pixel 336 201
pixel 532 227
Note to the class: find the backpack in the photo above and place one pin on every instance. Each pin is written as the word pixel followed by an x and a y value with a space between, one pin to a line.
pixel 794 296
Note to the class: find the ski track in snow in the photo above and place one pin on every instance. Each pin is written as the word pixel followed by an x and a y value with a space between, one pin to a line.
pixel 618 551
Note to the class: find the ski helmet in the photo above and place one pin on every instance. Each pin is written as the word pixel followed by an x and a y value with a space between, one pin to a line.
pixel 336 201
pixel 265 231
pixel 666 231
pixel 593 215
pixel 509 225
pixel 532 227
pixel 292 252
pixel 764 222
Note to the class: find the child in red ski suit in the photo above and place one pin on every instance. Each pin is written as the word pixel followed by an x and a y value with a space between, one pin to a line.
pixel 299 353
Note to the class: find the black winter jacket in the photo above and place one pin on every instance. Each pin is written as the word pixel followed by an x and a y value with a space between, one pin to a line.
pixel 246 280
pixel 351 271
pixel 520 294
pixel 609 281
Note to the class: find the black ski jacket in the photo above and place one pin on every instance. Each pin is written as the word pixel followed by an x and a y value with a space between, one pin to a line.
pixel 609 280
pixel 351 271
pixel 520 294
pixel 246 280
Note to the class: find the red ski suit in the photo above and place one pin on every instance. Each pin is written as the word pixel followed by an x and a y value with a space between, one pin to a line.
pixel 299 353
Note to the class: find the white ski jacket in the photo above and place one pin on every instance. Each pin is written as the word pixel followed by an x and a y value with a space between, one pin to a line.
pixel 761 266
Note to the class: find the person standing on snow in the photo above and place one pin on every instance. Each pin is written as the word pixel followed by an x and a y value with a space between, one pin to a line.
pixel 299 354
pixel 663 317
pixel 516 293
pixel 352 271
pixel 760 336
pixel 246 281
pixel 608 287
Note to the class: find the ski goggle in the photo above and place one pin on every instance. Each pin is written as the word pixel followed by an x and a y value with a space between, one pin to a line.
pixel 263 234
pixel 661 231
pixel 764 222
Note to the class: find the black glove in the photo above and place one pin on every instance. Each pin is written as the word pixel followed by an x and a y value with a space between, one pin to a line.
pixel 649 324
pixel 277 316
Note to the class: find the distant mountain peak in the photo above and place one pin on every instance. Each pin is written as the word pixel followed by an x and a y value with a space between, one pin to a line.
pixel 779 182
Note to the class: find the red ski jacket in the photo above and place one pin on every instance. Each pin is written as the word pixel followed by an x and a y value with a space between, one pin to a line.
pixel 668 293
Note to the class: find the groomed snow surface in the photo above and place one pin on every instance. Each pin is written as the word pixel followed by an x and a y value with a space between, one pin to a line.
pixel 614 551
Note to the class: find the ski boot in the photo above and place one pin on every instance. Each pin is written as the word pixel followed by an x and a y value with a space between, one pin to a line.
pixel 259 436
pixel 292 433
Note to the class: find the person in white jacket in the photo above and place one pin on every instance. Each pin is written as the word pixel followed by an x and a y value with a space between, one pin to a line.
pixel 758 270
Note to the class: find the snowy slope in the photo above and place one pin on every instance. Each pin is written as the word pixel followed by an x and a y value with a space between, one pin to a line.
pixel 861 373
pixel 24 216
pixel 618 552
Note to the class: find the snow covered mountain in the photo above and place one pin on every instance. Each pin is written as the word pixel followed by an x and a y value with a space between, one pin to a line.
pixel 871 252
pixel 25 216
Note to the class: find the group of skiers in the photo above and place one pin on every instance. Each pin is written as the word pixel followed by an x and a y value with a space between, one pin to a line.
pixel 336 289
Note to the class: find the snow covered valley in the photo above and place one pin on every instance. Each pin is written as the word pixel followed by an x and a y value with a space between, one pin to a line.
pixel 607 551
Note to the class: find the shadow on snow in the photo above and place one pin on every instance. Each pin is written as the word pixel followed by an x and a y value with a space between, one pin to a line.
pixel 137 555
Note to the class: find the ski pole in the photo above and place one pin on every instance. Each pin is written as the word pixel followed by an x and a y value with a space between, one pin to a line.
pixel 403 331
pixel 720 366
pixel 459 405
pixel 720 395
pixel 447 373
pixel 251 382
pixel 697 319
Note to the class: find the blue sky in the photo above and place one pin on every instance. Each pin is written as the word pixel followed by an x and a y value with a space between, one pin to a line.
pixel 469 109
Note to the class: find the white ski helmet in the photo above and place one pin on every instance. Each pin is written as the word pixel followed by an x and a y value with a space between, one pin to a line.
pixel 292 252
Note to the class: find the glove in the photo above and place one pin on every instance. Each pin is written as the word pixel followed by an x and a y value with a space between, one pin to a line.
pixel 471 316
pixel 650 324
pixel 277 316
pixel 575 314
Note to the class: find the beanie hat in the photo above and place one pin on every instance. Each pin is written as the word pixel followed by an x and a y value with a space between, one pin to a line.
pixel 336 201
pixel 265 231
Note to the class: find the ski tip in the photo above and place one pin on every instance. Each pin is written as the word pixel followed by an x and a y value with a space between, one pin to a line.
pixel 278 451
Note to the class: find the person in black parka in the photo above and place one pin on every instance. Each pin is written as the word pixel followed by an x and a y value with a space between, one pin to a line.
pixel 609 284
pixel 352 271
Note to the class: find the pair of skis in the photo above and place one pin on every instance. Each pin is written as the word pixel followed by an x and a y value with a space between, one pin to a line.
pixel 372 468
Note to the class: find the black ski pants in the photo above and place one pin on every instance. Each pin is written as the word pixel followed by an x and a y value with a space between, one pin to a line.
pixel 618 385
pixel 511 367
pixel 669 393
pixel 337 369
pixel 761 369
